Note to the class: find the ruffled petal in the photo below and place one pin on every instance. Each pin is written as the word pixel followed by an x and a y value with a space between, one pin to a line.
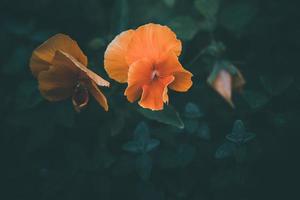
pixel 43 55
pixel 114 58
pixel 139 74
pixel 183 81
pixel 152 41
pixel 154 94
pixel 170 65
pixel 98 95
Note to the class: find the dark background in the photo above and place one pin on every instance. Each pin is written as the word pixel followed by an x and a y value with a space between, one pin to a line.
pixel 48 151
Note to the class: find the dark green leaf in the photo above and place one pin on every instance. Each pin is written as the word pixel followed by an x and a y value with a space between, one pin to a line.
pixel 167 116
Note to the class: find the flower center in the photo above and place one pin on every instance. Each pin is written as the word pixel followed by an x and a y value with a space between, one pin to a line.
pixel 154 75
pixel 80 96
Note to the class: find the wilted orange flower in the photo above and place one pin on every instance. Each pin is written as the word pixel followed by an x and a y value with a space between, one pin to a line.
pixel 147 59
pixel 61 69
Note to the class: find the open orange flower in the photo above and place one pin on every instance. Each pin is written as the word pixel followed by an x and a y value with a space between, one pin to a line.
pixel 147 59
pixel 61 69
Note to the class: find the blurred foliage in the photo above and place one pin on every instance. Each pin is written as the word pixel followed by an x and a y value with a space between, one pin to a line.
pixel 198 148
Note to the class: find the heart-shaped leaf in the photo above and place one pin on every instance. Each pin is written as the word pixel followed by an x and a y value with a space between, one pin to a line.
pixel 192 110
pixel 207 8
pixel 227 149
pixel 167 116
pixel 185 27
pixel 239 134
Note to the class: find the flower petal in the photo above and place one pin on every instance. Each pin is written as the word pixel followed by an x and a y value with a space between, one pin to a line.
pixel 154 94
pixel 139 74
pixel 114 58
pixel 183 81
pixel 170 65
pixel 152 41
pixel 59 81
pixel 98 95
pixel 43 55
pixel 83 70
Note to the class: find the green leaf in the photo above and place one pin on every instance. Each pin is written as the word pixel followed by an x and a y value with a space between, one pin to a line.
pixel 275 85
pixel 237 16
pixel 185 27
pixel 255 99
pixel 170 3
pixel 167 116
pixel 207 8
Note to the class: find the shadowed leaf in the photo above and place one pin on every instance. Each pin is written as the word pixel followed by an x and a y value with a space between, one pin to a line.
pixel 167 116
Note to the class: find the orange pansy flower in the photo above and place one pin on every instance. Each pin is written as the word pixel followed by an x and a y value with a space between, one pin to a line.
pixel 61 69
pixel 147 59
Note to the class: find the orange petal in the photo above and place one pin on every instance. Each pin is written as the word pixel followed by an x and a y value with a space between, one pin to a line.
pixel 183 81
pixel 154 94
pixel 98 95
pixel 152 41
pixel 139 74
pixel 59 81
pixel 83 70
pixel 170 65
pixel 114 58
pixel 43 55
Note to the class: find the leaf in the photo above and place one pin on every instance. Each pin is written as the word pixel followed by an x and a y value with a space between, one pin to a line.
pixel 207 8
pixel 203 131
pixel 151 144
pixel 170 3
pixel 142 143
pixel 275 85
pixel 225 78
pixel 185 27
pixel 144 166
pixel 239 134
pixel 133 147
pixel 27 96
pixel 167 116
pixel 191 125
pixel 215 49
pixel 236 16
pixel 255 99
pixel 141 132
pixel 227 149
pixel 192 111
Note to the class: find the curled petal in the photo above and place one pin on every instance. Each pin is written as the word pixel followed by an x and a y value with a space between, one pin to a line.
pixel 152 41
pixel 98 95
pixel 182 82
pixel 154 94
pixel 114 58
pixel 58 82
pixel 83 70
pixel 139 74
pixel 43 55
pixel 170 65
